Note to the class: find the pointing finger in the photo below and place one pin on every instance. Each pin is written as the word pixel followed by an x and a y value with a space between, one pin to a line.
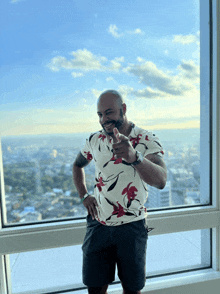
pixel 116 133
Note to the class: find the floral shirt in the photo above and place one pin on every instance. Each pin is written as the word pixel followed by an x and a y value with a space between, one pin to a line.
pixel 119 190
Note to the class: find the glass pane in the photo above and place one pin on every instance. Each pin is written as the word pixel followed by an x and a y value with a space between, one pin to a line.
pixel 57 59
pixel 61 268
pixel 178 251
pixel 47 270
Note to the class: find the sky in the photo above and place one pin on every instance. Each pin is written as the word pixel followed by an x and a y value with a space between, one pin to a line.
pixel 57 56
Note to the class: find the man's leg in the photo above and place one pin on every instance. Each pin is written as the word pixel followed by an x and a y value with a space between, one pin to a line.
pixel 131 292
pixel 126 291
pixel 131 256
pixel 98 290
pixel 99 257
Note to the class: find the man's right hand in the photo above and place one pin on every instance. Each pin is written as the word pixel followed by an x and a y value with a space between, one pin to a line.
pixel 90 204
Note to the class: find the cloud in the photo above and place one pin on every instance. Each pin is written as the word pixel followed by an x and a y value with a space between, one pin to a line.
pixel 83 60
pixel 96 92
pixel 77 74
pixel 149 93
pixel 15 1
pixel 189 70
pixel 116 63
pixel 125 90
pixel 161 83
pixel 113 30
pixel 186 39
pixel 136 32
pixel 139 59
pixel 109 79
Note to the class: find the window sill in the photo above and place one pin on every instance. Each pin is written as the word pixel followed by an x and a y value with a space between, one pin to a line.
pixel 201 282
pixel 35 237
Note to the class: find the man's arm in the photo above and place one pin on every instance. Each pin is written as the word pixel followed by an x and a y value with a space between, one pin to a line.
pixel 153 170
pixel 80 182
pixel 79 174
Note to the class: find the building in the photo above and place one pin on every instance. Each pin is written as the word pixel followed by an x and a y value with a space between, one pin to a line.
pixel 159 198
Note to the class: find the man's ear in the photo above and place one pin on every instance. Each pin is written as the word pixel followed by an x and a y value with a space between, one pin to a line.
pixel 124 108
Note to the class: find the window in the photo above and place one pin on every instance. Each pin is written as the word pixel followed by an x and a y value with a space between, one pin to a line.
pixel 44 107
pixel 197 216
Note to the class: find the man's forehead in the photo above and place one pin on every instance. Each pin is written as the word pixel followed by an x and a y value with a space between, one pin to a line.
pixel 107 101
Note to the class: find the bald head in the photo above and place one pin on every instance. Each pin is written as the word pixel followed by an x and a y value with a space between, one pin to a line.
pixel 111 95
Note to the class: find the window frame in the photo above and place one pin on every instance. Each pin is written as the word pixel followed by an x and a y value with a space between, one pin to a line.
pixel 66 233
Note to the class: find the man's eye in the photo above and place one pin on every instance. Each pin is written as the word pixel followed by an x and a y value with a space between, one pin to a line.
pixel 109 113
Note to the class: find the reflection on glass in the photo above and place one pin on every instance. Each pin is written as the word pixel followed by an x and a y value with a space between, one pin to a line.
pixel 46 270
pixel 178 252
pixel 61 60
pixel 61 268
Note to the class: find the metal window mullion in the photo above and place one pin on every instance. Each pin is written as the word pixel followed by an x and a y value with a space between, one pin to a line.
pixel 215 73
pixel 218 116
pixel 205 133
pixel 3 278
pixel 5 271
pixel 5 275
pixel 216 128
pixel 29 240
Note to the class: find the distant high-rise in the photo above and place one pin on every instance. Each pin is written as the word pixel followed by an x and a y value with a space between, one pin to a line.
pixel 159 198
pixel 39 189
pixel 192 197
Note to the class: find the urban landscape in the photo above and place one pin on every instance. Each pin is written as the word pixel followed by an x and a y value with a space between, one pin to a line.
pixel 39 185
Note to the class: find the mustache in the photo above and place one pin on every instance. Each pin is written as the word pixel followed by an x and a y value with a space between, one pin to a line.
pixel 108 122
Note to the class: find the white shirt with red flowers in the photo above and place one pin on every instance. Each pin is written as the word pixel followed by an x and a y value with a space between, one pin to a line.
pixel 119 190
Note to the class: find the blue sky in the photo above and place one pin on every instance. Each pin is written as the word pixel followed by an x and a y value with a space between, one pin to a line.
pixel 58 56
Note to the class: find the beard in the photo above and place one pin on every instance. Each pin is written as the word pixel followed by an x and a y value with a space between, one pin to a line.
pixel 117 123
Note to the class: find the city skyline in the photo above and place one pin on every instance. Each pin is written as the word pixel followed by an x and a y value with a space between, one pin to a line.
pixel 57 59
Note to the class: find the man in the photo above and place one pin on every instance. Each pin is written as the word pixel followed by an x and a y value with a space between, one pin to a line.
pixel 127 158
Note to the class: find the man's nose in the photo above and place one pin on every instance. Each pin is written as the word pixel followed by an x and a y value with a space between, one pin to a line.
pixel 103 119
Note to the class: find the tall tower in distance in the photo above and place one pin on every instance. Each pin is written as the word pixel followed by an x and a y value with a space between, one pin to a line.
pixel 39 189
pixel 159 198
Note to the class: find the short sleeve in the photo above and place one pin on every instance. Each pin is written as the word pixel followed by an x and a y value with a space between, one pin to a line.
pixel 152 144
pixel 86 150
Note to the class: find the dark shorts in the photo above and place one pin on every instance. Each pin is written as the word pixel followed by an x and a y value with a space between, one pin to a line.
pixel 105 246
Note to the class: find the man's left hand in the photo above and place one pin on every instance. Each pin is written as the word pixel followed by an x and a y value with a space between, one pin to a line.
pixel 122 147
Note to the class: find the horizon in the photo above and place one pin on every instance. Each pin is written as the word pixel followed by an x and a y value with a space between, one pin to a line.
pixel 75 140
pixel 87 133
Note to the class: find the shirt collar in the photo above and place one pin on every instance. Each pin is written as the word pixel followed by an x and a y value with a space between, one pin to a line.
pixel 132 133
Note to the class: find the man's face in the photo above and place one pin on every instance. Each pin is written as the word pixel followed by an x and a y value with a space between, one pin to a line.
pixel 110 114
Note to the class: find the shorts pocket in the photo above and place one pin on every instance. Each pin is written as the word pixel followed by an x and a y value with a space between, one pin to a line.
pixel 91 222
pixel 145 227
